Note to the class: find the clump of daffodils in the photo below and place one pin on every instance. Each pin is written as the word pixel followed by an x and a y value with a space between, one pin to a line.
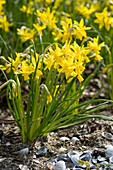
pixel 4 24
pixel 69 59
pixel 104 19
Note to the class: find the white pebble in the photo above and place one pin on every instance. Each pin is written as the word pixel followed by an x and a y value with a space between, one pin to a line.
pixel 63 139
pixel 60 165
pixel 109 151
pixel 23 167
pixel 51 133
pixel 74 139
pixel 23 151
pixel 2 159
pixel 8 144
pixel 62 149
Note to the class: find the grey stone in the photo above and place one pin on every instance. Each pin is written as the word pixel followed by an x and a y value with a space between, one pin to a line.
pixel 60 165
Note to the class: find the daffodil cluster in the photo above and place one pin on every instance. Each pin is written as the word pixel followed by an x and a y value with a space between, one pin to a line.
pixel 4 24
pixel 71 59
pixel 104 19
pixel 23 65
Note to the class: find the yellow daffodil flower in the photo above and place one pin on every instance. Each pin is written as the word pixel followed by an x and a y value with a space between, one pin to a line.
pixel 49 98
pixel 28 9
pixel 39 27
pixel 47 17
pixel 104 19
pixel 4 24
pixel 80 30
pixel 25 33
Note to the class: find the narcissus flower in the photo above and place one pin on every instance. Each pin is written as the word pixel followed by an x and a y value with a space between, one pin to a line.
pixel 47 17
pixel 104 19
pixel 4 24
pixel 85 11
pixel 25 33
pixel 80 30
pixel 39 27
pixel 95 48
pixel 49 98
pixel 28 9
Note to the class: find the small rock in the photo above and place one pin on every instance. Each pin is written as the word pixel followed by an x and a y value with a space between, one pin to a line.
pixel 50 165
pixel 23 151
pixel 107 135
pixel 89 151
pixel 75 159
pixel 84 147
pixel 62 149
pixel 92 165
pixel 94 160
pixel 92 66
pixel 63 139
pixel 2 159
pixel 81 132
pixel 34 156
pixel 60 165
pixel 99 151
pixel 111 159
pixel 51 133
pixel 102 95
pixel 109 151
pixel 42 151
pixel 86 157
pixel 36 161
pixel 70 153
pixel 101 159
pixel 63 157
pixel 23 167
pixel 74 139
pixel 104 164
pixel 8 144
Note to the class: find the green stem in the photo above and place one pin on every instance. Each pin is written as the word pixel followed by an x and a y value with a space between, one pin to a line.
pixel 6 83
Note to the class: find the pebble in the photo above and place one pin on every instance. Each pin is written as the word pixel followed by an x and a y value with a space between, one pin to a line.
pixel 101 159
pixel 42 151
pixel 107 135
pixel 23 167
pixel 36 161
pixel 23 151
pixel 60 165
pixel 2 159
pixel 51 133
pixel 92 165
pixel 74 139
pixel 81 132
pixel 63 157
pixel 86 157
pixel 111 159
pixel 8 144
pixel 62 149
pixel 63 139
pixel 74 159
pixel 34 156
pixel 50 165
pixel 74 153
pixel 94 160
pixel 109 151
